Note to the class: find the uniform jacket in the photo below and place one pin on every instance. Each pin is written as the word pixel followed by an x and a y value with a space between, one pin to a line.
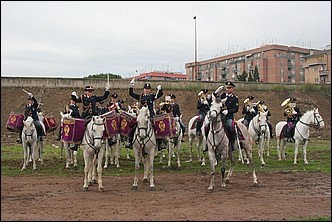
pixel 247 114
pixel 203 108
pixel 146 99
pixel 232 104
pixel 176 110
pixel 31 110
pixel 75 110
pixel 89 103
pixel 295 117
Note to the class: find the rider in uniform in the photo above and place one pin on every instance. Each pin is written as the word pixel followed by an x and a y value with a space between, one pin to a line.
pixel 232 107
pixel 249 110
pixel 88 101
pixel 175 108
pixel 203 105
pixel 75 113
pixel 31 109
pixel 146 99
pixel 272 134
pixel 293 115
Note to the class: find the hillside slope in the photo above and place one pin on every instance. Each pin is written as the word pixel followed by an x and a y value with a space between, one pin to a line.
pixel 54 100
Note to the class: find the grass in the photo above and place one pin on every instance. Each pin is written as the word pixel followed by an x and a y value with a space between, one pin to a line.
pixel 318 155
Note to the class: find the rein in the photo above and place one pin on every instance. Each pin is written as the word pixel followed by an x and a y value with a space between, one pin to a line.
pixel 312 125
pixel 258 130
pixel 90 140
pixel 214 132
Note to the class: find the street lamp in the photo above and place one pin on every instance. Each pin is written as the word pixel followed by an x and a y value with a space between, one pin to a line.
pixel 195 73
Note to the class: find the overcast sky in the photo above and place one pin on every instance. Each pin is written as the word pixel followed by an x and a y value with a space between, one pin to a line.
pixel 77 39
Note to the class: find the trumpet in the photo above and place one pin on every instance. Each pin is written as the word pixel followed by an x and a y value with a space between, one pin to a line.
pixel 248 103
pixel 201 95
pixel 260 107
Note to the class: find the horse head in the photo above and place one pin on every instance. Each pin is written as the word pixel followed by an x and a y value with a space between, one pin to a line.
pixel 262 121
pixel 216 108
pixel 29 128
pixel 96 131
pixel 143 118
pixel 316 120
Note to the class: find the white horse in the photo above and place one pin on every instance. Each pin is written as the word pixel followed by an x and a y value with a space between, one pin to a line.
pixel 113 150
pixel 310 118
pixel 144 146
pixel 200 141
pixel 29 142
pixel 217 142
pixel 93 151
pixel 71 155
pixel 175 142
pixel 259 132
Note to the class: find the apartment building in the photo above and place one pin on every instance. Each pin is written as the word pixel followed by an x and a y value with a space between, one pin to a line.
pixel 275 64
pixel 317 67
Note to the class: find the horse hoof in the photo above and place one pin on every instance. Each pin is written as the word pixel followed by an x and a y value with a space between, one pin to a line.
pixel 152 189
pixel 209 190
pixel 94 181
pixel 263 164
pixel 85 189
pixel 101 189
pixel 145 180
pixel 134 188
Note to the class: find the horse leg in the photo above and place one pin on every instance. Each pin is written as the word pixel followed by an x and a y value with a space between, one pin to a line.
pixel 75 158
pixel 25 156
pixel 100 169
pixel 261 150
pixel 231 168
pixel 304 148
pixel 137 161
pixel 178 146
pixel 34 155
pixel 251 162
pixel 296 151
pixel 106 154
pixel 212 171
pixel 68 155
pixel 40 152
pixel 283 148
pixel 87 163
pixel 190 149
pixel 279 148
pixel 117 153
pixel 61 149
pixel 150 168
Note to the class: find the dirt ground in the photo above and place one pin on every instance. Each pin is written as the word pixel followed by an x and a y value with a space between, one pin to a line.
pixel 178 197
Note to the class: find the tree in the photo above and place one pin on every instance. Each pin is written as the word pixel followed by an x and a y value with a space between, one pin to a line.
pixel 250 78
pixel 243 76
pixel 104 76
pixel 256 74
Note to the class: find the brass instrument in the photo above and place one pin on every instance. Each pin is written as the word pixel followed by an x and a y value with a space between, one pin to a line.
pixel 248 103
pixel 260 107
pixel 288 108
pixel 201 95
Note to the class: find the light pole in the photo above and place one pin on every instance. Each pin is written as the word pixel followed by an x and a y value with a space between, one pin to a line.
pixel 195 73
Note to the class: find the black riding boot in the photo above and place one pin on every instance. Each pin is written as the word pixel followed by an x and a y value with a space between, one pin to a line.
pixel 206 135
pixel 232 141
pixel 19 141
pixel 59 135
pixel 198 128
pixel 160 144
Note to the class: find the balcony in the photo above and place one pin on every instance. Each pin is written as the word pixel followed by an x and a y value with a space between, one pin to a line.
pixel 324 72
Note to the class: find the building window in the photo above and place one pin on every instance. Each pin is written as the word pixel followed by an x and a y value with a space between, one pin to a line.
pixel 315 69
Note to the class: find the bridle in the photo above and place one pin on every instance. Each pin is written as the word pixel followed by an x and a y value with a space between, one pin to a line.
pixel 258 130
pixel 213 122
pixel 143 140
pixel 90 138
pixel 315 120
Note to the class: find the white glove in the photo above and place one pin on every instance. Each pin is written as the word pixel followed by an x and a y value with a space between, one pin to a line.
pixel 294 112
pixel 30 95
pixel 247 108
pixel 108 87
pixel 73 94
pixel 205 102
pixel 132 82
pixel 225 112
pixel 177 118
pixel 219 89
pixel 159 87
pixel 252 110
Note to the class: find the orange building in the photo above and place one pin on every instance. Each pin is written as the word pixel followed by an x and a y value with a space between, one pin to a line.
pixel 275 64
